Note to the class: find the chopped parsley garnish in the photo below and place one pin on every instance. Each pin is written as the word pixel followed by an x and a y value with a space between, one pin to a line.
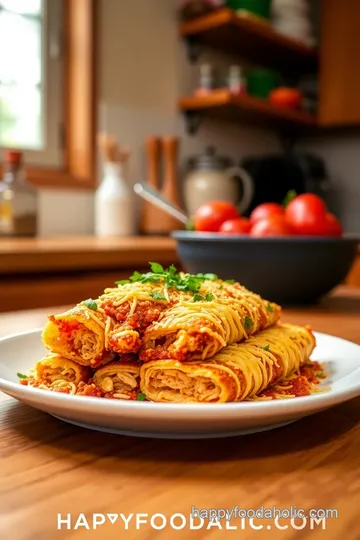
pixel 266 348
pixel 248 322
pixel 156 268
pixel 210 277
pixel 270 308
pixel 91 304
pixel 220 287
pixel 122 282
pixel 21 376
pixel 207 298
pixel 171 278
pixel 157 296
pixel 141 397
pixel 231 281
pixel 136 277
pixel 320 375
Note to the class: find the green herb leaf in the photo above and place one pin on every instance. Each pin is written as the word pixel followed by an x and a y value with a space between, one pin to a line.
pixel 231 281
pixel 320 375
pixel 207 298
pixel 141 397
pixel 248 323
pixel 270 308
pixel 122 282
pixel 220 287
pixel 189 283
pixel 172 270
pixel 157 296
pixel 91 304
pixel 266 348
pixel 289 197
pixel 136 277
pixel 21 376
pixel 172 278
pixel 156 268
pixel 210 277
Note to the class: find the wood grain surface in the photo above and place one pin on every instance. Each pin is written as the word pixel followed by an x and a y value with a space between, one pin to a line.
pixel 48 467
pixel 41 272
pixel 34 255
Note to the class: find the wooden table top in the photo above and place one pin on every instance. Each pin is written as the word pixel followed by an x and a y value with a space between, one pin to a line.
pixel 34 255
pixel 48 467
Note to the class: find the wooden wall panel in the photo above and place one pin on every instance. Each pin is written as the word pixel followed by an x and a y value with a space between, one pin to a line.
pixel 339 54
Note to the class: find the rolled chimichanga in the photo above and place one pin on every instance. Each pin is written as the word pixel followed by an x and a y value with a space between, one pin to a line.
pixel 95 330
pixel 132 307
pixel 197 328
pixel 79 335
pixel 119 380
pixel 238 372
pixel 162 313
pixel 54 372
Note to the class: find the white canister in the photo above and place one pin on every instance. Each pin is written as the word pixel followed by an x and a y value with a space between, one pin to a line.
pixel 114 205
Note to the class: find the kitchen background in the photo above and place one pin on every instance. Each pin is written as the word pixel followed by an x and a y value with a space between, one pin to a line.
pixel 142 70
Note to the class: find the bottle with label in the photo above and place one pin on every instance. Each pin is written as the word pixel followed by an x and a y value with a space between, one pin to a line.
pixel 18 199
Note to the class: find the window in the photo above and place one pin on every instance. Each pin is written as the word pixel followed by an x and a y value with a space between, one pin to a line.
pixel 30 82
pixel 47 88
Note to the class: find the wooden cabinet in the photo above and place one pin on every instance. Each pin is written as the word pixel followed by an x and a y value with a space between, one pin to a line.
pixel 259 43
pixel 339 79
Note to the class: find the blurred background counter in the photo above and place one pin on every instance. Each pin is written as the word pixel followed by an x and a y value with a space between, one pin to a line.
pixel 39 272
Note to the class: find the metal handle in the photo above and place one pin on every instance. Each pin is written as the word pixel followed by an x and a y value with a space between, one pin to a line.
pixel 153 196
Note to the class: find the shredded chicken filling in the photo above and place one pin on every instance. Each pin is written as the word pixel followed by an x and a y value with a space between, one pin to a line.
pixel 199 388
pixel 54 374
pixel 85 344
pixel 181 344
pixel 118 382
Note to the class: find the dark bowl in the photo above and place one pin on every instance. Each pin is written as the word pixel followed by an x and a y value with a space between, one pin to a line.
pixel 287 270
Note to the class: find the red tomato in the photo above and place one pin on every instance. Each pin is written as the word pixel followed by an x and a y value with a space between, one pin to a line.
pixel 266 210
pixel 333 225
pixel 271 226
pixel 236 226
pixel 209 217
pixel 306 214
pixel 289 98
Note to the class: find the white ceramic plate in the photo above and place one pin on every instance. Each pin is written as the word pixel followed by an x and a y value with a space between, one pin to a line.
pixel 20 352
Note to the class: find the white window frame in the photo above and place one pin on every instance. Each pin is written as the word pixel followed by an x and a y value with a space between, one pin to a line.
pixel 52 153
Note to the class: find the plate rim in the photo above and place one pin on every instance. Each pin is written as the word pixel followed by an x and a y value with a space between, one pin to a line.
pixel 241 410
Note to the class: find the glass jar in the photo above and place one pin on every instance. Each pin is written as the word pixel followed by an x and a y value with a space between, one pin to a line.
pixel 18 199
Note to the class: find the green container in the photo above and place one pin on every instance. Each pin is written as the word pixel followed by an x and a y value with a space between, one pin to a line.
pixel 261 8
pixel 260 82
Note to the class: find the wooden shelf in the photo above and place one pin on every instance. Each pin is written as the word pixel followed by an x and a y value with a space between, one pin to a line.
pixel 247 108
pixel 251 38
